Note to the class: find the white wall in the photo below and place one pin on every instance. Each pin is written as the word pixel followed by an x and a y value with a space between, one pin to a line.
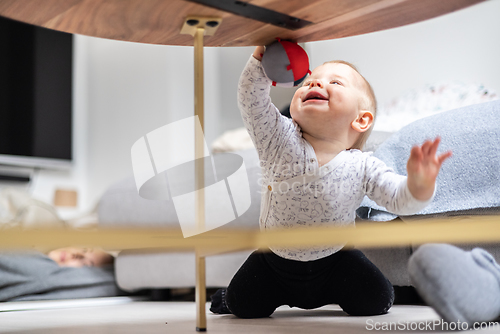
pixel 124 90
pixel 134 89
pixel 464 45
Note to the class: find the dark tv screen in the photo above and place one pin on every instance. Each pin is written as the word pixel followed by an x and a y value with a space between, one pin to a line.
pixel 35 92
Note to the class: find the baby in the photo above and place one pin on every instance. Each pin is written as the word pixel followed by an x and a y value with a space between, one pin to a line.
pixel 314 174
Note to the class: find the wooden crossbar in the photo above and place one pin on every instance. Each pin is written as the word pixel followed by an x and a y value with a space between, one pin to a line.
pixel 466 229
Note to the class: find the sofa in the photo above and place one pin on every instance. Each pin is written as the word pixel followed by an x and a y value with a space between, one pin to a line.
pixel 467 131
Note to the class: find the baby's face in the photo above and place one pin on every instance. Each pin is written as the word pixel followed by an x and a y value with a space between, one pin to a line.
pixel 329 98
pixel 80 257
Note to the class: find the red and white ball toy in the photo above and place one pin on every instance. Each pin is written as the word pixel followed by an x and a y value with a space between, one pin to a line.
pixel 285 63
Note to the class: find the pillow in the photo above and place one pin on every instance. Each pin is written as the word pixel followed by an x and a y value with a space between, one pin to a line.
pixel 470 180
pixel 233 140
pixel 375 140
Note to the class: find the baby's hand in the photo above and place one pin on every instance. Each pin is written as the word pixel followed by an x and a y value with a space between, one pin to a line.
pixel 259 52
pixel 423 168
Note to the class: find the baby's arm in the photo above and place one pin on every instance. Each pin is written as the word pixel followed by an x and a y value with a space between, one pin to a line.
pixel 258 53
pixel 405 195
pixel 423 167
pixel 266 126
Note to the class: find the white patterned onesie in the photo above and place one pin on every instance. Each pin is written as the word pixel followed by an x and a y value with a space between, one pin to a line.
pixel 296 192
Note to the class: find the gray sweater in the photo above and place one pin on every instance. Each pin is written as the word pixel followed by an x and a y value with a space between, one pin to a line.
pixel 34 276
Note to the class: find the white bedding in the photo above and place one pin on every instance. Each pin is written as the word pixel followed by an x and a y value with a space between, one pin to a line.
pixel 430 100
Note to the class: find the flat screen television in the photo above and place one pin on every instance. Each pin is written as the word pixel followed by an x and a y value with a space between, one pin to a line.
pixel 35 96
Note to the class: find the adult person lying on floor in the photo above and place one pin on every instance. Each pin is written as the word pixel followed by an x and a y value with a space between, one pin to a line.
pixel 59 274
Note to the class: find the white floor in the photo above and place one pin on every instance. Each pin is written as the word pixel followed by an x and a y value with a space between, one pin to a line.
pixel 179 317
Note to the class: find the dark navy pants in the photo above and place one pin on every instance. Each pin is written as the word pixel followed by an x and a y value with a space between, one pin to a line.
pixel 266 281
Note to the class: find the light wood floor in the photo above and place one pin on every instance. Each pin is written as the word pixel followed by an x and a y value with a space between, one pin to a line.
pixel 179 317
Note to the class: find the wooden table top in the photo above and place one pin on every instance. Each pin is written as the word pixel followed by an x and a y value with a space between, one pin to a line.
pixel 160 21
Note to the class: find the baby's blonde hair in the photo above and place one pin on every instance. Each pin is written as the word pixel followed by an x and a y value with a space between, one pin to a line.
pixel 368 102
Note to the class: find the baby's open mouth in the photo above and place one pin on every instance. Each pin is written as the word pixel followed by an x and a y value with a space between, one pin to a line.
pixel 315 96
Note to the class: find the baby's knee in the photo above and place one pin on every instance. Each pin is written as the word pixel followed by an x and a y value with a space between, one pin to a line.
pixel 375 302
pixel 244 306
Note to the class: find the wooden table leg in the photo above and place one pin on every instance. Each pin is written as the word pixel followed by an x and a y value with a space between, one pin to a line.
pixel 201 299
pixel 198 27
pixel 201 294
